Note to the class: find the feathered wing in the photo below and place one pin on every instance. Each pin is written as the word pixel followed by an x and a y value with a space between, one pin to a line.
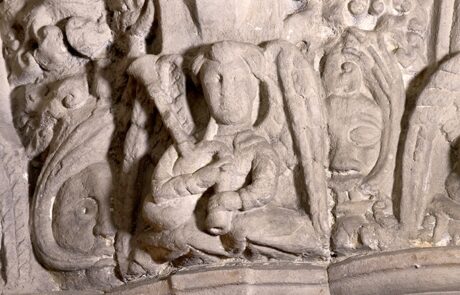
pixel 158 84
pixel 135 148
pixel 301 103
pixel 165 84
pixel 436 106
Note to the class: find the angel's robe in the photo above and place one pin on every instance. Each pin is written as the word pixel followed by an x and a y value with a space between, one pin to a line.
pixel 254 175
pixel 253 158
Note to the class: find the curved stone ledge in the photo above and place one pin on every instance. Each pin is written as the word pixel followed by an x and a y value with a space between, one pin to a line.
pixel 263 279
pixel 415 271
pixel 425 271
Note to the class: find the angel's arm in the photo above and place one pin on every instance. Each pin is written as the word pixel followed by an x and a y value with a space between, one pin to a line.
pixel 184 185
pixel 259 192
pixel 168 185
pixel 264 174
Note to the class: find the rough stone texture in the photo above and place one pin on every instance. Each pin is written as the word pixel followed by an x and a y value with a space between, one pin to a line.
pixel 229 147
pixel 258 279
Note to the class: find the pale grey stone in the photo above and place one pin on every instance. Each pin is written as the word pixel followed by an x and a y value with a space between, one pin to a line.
pixel 229 146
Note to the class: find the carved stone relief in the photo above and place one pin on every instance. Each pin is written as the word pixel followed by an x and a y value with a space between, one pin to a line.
pixel 293 146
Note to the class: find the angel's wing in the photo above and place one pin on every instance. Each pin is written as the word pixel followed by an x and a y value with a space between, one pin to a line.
pixel 165 83
pixel 300 104
pixel 435 109
pixel 162 81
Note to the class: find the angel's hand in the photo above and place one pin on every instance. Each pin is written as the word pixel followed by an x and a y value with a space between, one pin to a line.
pixel 209 175
pixel 223 165
pixel 216 148
pixel 227 201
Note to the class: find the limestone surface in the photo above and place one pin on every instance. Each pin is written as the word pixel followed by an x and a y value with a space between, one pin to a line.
pixel 229 146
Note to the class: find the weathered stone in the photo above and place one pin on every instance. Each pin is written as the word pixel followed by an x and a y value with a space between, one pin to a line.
pixel 229 146
pixel 258 279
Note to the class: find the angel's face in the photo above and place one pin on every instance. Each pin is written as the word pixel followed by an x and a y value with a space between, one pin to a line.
pixel 230 90
pixel 355 128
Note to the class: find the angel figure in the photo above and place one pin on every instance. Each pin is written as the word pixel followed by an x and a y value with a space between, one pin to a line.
pixel 444 211
pixel 430 205
pixel 222 192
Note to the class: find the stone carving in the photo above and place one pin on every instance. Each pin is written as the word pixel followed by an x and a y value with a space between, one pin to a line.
pixel 295 146
pixel 213 190
pixel 68 132
pixel 365 103
pixel 80 235
pixel 16 247
pixel 402 21
pixel 435 121
pixel 253 21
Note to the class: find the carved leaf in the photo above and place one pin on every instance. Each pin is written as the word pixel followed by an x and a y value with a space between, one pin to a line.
pixel 85 145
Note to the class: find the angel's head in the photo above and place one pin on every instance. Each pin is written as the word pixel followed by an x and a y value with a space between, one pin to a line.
pixel 227 72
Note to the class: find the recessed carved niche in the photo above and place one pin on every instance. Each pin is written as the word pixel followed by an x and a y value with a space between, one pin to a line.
pixel 229 147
